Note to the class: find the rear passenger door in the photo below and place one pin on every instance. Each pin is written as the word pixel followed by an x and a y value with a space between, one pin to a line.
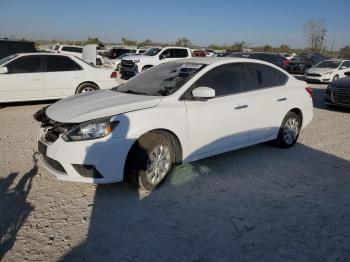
pixel 24 79
pixel 269 100
pixel 62 76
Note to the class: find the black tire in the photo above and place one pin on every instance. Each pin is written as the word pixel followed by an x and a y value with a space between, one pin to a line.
pixel 146 67
pixel 87 87
pixel 139 160
pixel 285 137
pixel 336 77
pixel 98 62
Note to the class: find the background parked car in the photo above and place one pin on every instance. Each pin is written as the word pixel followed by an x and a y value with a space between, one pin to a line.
pixel 133 65
pixel 10 47
pixel 275 59
pixel 76 51
pixel 299 64
pixel 39 76
pixel 327 71
pixel 199 53
pixel 287 56
pixel 338 92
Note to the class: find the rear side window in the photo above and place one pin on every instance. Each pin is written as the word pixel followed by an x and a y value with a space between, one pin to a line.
pixel 178 53
pixel 263 76
pixel 61 63
pixel 25 64
pixel 225 79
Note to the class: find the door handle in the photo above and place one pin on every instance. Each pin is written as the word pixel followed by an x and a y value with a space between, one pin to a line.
pixel 241 107
pixel 282 99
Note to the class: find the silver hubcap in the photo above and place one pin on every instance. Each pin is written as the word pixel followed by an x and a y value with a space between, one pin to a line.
pixel 291 130
pixel 87 89
pixel 158 165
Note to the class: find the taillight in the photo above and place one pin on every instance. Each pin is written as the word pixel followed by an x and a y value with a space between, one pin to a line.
pixel 114 74
pixel 309 90
pixel 285 61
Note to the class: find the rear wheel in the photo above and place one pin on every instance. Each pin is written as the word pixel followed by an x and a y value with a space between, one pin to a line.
pixel 289 130
pixel 87 87
pixel 150 160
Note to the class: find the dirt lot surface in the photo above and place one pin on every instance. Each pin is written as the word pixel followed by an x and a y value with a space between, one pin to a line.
pixel 256 204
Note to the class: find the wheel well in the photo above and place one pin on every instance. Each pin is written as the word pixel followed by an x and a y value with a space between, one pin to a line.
pixel 298 112
pixel 146 66
pixel 87 82
pixel 173 138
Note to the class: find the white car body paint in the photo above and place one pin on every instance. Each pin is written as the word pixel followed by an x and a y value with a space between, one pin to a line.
pixel 51 85
pixel 203 128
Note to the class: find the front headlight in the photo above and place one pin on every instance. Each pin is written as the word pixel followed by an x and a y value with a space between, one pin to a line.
pixel 136 61
pixel 90 130
pixel 328 73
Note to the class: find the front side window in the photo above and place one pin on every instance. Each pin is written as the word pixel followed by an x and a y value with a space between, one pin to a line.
pixel 226 79
pixel 263 76
pixel 25 64
pixel 6 59
pixel 152 51
pixel 61 63
pixel 162 80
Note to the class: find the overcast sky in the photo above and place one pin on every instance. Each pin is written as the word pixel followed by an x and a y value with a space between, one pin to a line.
pixel 203 22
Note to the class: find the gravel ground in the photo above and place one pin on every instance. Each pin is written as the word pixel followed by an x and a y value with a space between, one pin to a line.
pixel 256 204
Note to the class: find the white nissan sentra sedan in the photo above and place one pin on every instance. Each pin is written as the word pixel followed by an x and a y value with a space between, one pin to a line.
pixel 176 112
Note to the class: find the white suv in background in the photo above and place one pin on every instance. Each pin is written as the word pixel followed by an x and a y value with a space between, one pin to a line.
pixel 40 76
pixel 133 65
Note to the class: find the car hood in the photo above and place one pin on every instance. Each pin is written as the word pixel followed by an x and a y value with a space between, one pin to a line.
pixel 318 70
pixel 98 104
pixel 342 82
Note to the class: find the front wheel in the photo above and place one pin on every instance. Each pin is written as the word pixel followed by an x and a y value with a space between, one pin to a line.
pixel 149 161
pixel 87 87
pixel 336 77
pixel 289 130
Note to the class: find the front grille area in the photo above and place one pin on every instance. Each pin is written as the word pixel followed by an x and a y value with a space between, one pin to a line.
pixel 127 63
pixel 341 96
pixel 317 75
pixel 54 164
pixel 87 171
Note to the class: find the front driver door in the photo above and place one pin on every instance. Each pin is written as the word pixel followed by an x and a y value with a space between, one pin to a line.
pixel 221 123
pixel 24 80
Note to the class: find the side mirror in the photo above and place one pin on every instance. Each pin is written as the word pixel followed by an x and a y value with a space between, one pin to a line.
pixel 3 70
pixel 347 73
pixel 203 92
pixel 342 67
pixel 161 57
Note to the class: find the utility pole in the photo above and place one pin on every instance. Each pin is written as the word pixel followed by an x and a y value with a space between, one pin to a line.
pixel 333 41
pixel 323 38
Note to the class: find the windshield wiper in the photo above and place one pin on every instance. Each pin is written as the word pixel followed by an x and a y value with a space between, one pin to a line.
pixel 134 92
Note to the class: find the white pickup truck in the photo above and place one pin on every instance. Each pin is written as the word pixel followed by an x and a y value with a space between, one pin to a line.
pixel 133 65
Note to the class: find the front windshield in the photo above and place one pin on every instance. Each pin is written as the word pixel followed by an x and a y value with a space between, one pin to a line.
pixel 152 51
pixel 162 80
pixel 124 55
pixel 6 59
pixel 328 64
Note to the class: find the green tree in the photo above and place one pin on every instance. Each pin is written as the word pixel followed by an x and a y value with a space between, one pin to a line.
pixel 92 40
pixel 185 42
pixel 128 42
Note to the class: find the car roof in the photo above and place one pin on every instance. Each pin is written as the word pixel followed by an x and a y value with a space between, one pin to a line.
pixel 43 53
pixel 214 60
